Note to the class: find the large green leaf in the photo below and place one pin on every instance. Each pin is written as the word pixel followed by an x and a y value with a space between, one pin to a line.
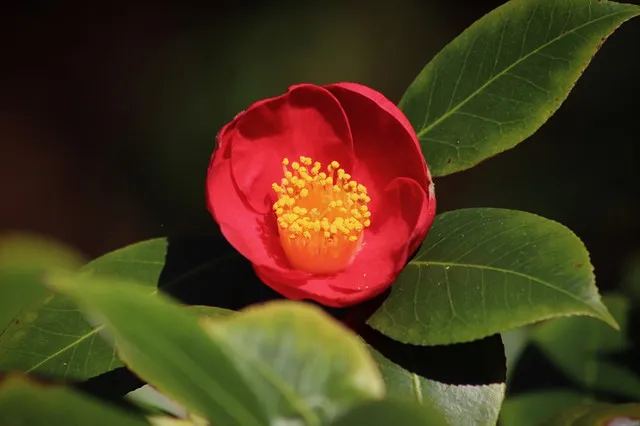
pixel 163 344
pixel 460 405
pixel 484 271
pixel 391 412
pixel 502 78
pixel 582 348
pixel 51 336
pixel 306 367
pixel 27 402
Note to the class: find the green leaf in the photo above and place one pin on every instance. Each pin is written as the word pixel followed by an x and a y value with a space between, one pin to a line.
pixel 630 283
pixel 580 348
pixel 390 412
pixel 51 336
pixel 532 408
pixel 460 405
pixel 162 343
pixel 172 421
pixel 484 271
pixel 306 367
pixel 27 402
pixel 515 341
pixel 598 414
pixel 502 78
pixel 210 311
pixel 153 402
pixel 23 258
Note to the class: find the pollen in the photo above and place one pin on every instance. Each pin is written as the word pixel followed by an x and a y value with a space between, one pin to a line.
pixel 321 215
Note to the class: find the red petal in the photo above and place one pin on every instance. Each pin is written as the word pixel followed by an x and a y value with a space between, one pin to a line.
pixel 308 120
pixel 382 257
pixel 385 146
pixel 253 234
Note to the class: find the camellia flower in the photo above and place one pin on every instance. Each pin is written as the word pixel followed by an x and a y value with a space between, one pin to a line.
pixel 324 189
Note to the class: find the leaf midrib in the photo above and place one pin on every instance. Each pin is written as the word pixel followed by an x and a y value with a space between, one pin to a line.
pixel 505 271
pixel 452 111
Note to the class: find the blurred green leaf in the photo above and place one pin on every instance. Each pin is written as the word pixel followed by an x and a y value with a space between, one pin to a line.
pixel 484 271
pixel 306 367
pixel 532 408
pixel 631 276
pixel 51 336
pixel 579 347
pixel 163 344
pixel 22 251
pixel 514 341
pixel 598 414
pixel 153 402
pixel 460 405
pixel 210 311
pixel 391 412
pixel 26 402
pixel 502 78
pixel 23 258
pixel 172 421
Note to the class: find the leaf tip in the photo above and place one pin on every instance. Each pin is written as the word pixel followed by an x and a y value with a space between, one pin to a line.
pixel 606 316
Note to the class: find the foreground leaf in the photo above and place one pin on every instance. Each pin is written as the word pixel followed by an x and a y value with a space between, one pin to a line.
pixel 26 402
pixel 162 343
pixel 502 78
pixel 580 347
pixel 23 259
pixel 484 271
pixel 52 336
pixel 460 405
pixel 515 342
pixel 306 367
pixel 210 311
pixel 391 412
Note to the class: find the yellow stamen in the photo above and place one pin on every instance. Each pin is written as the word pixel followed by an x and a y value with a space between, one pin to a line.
pixel 321 216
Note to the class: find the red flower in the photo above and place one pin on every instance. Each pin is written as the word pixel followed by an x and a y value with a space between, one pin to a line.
pixel 324 189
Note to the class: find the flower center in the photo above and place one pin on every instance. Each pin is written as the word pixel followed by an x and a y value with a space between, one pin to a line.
pixel 321 215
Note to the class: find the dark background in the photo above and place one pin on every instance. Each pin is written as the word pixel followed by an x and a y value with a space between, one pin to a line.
pixel 108 113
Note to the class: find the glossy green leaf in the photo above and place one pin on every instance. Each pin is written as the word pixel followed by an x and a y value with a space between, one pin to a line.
pixel 51 336
pixel 484 271
pixel 502 78
pixel 390 412
pixel 581 348
pixel 26 402
pixel 163 344
pixel 533 408
pixel 460 405
pixel 598 414
pixel 306 367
